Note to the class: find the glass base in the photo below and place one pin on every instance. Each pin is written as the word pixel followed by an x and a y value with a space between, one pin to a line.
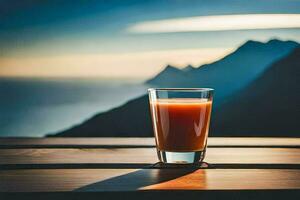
pixel 181 157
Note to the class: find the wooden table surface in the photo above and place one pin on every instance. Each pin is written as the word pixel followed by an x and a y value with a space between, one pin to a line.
pixel 92 168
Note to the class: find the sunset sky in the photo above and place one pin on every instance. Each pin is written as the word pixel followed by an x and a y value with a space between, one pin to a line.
pixel 132 38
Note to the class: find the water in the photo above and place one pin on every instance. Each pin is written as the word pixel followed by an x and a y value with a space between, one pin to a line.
pixel 35 107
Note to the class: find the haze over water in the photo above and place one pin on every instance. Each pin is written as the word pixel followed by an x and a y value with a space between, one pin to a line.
pixel 35 107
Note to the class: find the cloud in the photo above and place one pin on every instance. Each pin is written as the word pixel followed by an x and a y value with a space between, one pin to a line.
pixel 218 23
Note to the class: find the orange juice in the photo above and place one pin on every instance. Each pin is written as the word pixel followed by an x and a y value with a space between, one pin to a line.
pixel 181 124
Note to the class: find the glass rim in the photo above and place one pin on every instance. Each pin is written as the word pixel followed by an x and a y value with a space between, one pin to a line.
pixel 182 89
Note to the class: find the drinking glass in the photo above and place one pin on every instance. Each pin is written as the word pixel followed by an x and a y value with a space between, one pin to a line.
pixel 180 119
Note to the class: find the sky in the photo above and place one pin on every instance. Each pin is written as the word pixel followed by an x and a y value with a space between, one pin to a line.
pixel 132 38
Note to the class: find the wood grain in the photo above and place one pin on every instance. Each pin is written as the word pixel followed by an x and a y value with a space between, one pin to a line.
pixel 107 165
pixel 146 155
pixel 141 142
pixel 95 180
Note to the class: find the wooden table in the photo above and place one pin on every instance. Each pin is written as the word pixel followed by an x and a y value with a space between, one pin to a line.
pixel 116 168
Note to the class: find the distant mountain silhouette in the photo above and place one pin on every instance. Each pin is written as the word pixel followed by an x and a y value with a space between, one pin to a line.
pixel 269 106
pixel 188 68
pixel 229 74
pixel 167 75
pixel 130 120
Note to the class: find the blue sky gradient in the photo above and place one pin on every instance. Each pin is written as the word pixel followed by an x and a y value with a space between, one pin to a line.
pixel 32 28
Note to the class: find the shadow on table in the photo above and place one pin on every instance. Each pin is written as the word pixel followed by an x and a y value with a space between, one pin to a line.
pixel 140 179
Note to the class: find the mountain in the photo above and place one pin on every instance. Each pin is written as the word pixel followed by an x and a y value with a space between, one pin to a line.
pixel 188 68
pixel 269 106
pixel 231 73
pixel 168 75
pixel 130 120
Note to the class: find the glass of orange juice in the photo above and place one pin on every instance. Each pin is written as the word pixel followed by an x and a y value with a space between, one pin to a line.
pixel 180 119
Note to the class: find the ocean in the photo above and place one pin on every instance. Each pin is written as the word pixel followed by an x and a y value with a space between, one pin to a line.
pixel 35 107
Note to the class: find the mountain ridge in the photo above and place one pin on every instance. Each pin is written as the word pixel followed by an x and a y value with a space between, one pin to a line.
pixel 267 106
pixel 232 72
pixel 133 119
